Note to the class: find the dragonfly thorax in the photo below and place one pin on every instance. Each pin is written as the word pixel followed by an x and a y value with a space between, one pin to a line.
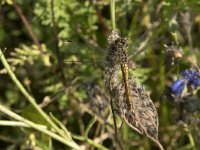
pixel 121 48
pixel 117 53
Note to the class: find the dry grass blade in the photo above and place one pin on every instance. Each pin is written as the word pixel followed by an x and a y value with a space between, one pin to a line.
pixel 143 118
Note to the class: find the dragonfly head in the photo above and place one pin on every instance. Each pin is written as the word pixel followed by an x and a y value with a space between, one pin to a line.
pixel 113 37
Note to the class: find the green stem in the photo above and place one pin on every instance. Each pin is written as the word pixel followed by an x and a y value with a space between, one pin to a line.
pixel 68 134
pixel 91 142
pixel 91 123
pixel 112 13
pixel 27 95
pixel 191 139
pixel 38 127
pixel 17 124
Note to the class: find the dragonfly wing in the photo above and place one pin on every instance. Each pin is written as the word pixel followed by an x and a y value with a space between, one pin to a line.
pixel 74 52
pixel 143 42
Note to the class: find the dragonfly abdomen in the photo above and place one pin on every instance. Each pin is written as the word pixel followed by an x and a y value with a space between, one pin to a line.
pixel 124 69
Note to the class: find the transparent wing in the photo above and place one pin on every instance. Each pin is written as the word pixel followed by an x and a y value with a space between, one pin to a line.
pixel 78 53
pixel 142 42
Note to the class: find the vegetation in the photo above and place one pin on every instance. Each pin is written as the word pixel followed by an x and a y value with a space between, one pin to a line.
pixel 53 70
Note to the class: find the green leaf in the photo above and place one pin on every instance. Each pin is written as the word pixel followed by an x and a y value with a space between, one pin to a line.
pixel 30 113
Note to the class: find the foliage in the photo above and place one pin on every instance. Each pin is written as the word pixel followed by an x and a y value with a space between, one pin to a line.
pixel 64 73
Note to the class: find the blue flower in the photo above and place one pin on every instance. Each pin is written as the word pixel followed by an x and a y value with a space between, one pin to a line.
pixel 189 76
pixel 178 86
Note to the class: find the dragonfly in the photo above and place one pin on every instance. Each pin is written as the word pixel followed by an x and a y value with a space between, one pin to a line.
pixel 119 54
pixel 133 103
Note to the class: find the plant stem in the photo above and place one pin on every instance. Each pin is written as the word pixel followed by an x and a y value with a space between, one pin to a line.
pixel 190 138
pixel 112 13
pixel 91 142
pixel 27 95
pixel 27 25
pixel 91 123
pixel 56 40
pixel 115 125
pixel 15 116
pixel 17 124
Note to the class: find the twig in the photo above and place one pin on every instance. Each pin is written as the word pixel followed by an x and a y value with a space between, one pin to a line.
pixel 115 125
pixel 102 24
pixel 58 55
pixel 27 25
pixel 156 142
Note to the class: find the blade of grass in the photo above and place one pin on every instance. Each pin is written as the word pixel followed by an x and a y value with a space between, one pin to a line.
pixel 27 95
pixel 38 127
pixel 17 124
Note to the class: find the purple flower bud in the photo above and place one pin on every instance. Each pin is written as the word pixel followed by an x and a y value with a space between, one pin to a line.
pixel 188 76
pixel 191 76
pixel 178 86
